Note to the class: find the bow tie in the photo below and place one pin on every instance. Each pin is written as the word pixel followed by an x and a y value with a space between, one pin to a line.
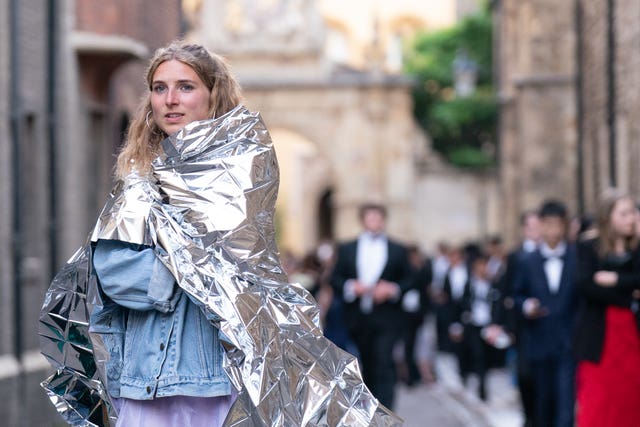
pixel 550 256
pixel 557 252
pixel 374 236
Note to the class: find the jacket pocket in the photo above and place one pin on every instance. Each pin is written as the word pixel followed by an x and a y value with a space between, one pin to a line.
pixel 107 324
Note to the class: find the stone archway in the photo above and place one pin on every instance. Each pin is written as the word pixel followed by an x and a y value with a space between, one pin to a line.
pixel 305 175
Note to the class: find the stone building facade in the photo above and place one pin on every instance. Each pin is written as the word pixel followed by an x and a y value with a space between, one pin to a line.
pixel 568 86
pixel 535 56
pixel 341 118
pixel 608 98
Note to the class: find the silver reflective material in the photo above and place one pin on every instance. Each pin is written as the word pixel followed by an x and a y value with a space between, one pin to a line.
pixel 209 214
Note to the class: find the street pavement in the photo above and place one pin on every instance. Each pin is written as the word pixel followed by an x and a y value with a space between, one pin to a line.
pixel 443 404
pixel 448 403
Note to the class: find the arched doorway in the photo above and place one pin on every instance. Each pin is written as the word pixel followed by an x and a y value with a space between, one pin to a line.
pixel 303 211
pixel 325 216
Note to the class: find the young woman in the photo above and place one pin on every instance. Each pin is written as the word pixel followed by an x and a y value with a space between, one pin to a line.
pixel 607 339
pixel 182 263
pixel 168 369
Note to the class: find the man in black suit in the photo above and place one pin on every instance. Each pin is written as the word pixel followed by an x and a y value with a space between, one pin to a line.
pixel 371 275
pixel 546 296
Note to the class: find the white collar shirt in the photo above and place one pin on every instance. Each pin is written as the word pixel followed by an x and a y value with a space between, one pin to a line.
pixel 458 276
pixel 529 245
pixel 480 306
pixel 553 264
pixel 371 259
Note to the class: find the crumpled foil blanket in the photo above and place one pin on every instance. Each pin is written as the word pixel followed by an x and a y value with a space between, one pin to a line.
pixel 208 211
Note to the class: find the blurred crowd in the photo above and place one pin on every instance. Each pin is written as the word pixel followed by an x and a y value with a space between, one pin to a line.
pixel 559 309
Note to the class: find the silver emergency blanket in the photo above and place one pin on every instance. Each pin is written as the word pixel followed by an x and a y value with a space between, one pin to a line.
pixel 209 214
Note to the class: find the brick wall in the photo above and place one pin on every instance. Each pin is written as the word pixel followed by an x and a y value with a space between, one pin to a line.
pixel 538 132
pixel 594 97
pixel 152 22
pixel 627 18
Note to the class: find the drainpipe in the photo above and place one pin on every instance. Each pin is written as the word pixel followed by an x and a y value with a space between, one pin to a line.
pixel 579 107
pixel 611 90
pixel 52 37
pixel 16 115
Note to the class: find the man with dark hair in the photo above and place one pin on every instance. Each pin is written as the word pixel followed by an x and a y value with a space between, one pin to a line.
pixel 371 275
pixel 545 295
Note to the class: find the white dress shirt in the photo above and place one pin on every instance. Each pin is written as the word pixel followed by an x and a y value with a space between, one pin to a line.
pixel 371 259
pixel 529 245
pixel 480 306
pixel 440 266
pixel 553 264
pixel 458 276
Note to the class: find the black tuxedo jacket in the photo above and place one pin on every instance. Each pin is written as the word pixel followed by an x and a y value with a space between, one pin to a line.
pixel 505 312
pixel 594 299
pixel 551 334
pixel 453 309
pixel 397 270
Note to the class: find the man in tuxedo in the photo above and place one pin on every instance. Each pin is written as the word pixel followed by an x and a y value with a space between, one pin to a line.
pixel 545 295
pixel 371 275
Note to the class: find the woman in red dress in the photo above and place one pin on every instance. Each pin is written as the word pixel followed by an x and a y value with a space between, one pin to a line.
pixel 607 337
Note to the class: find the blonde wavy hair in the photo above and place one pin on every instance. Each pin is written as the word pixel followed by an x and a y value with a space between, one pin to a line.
pixel 143 135
pixel 606 236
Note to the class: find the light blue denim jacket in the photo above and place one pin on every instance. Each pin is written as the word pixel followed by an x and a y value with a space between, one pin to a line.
pixel 159 342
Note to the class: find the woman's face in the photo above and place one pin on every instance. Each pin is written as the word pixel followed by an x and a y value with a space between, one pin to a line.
pixel 178 96
pixel 623 217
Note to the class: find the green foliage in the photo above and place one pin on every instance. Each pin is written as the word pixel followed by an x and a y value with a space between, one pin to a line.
pixel 462 128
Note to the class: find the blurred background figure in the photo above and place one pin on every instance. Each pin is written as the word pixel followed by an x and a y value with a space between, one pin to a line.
pixel 545 294
pixel 371 275
pixel 494 248
pixel 440 267
pixel 415 306
pixel 475 317
pixel 511 320
pixel 607 340
pixel 455 292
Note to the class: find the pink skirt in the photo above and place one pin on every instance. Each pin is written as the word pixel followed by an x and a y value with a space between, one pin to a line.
pixel 174 411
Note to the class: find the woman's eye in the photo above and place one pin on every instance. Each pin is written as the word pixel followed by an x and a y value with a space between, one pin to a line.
pixel 159 89
pixel 186 87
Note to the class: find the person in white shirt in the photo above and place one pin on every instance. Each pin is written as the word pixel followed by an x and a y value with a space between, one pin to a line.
pixel 371 275
pixel 476 317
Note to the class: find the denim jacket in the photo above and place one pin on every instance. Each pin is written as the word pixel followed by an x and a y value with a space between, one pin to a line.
pixel 159 342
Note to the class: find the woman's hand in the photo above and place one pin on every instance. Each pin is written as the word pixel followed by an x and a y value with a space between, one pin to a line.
pixel 607 279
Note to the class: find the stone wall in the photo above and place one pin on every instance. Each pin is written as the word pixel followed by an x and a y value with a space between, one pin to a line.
pixel 360 143
pixel 568 84
pixel 456 207
pixel 362 138
pixel 535 63
pixel 609 96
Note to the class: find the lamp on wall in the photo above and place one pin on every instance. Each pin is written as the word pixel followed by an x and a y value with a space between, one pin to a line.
pixel 465 72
